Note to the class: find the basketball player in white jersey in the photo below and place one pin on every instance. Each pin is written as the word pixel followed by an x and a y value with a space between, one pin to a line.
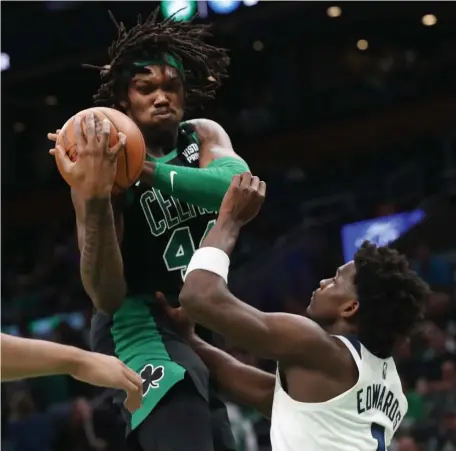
pixel 336 386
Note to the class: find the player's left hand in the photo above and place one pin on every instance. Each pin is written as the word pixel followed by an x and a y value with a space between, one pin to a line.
pixel 243 200
pixel 181 321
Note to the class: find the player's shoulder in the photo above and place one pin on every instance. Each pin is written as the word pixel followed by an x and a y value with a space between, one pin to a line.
pixel 306 344
pixel 344 357
pixel 204 124
pixel 214 140
pixel 207 129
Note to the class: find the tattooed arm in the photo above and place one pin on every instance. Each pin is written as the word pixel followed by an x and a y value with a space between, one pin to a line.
pixel 100 229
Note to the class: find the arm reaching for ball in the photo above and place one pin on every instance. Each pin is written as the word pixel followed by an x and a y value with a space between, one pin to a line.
pixel 289 339
pixel 92 177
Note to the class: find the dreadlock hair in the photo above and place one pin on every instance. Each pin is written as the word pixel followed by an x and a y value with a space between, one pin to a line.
pixel 205 65
pixel 391 297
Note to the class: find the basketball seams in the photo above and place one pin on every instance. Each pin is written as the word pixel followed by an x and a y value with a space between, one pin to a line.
pixel 140 167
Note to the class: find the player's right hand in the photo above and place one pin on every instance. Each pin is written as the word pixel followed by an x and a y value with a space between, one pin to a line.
pixel 185 327
pixel 243 200
pixel 107 371
pixel 95 169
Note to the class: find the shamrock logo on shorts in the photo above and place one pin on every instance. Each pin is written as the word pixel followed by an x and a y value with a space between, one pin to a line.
pixel 150 376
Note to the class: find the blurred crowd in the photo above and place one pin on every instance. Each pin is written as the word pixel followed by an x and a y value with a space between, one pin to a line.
pixel 298 82
pixel 280 80
pixel 42 297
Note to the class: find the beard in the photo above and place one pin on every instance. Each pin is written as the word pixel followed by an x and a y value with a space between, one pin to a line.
pixel 161 135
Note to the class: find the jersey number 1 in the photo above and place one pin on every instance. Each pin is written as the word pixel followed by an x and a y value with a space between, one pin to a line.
pixel 181 247
pixel 378 432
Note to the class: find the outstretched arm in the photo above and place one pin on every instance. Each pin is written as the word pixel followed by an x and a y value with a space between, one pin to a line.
pixel 204 186
pixel 207 299
pixel 278 336
pixel 23 357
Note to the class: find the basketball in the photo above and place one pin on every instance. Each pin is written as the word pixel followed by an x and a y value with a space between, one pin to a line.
pixel 130 161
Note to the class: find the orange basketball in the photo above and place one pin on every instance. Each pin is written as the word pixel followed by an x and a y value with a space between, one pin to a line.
pixel 130 161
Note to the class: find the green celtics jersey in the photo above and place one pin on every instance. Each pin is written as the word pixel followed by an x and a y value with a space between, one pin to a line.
pixel 161 233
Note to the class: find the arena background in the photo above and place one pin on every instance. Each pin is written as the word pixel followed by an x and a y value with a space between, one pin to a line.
pixel 347 112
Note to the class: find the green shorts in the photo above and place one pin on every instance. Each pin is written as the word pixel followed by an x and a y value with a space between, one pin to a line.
pixel 141 342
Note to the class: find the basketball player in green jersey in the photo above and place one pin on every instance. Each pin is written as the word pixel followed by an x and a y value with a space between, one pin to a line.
pixel 141 243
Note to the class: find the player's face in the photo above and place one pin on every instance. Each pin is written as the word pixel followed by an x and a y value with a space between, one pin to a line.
pixel 335 298
pixel 156 98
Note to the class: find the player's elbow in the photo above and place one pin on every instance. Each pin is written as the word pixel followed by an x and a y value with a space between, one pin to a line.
pixel 191 298
pixel 197 294
pixel 108 305
pixel 106 299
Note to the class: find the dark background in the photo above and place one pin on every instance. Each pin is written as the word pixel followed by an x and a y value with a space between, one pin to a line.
pixel 340 135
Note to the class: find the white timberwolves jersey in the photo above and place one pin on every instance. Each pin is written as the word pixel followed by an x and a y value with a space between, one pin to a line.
pixel 363 418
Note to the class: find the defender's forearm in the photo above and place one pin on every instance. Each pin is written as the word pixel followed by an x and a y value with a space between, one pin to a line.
pixel 203 287
pixel 22 357
pixel 245 384
pixel 208 301
pixel 101 259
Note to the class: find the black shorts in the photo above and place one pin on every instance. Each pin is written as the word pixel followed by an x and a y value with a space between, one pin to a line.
pixel 184 421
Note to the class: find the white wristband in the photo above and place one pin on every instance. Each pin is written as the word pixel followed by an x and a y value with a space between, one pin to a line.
pixel 210 259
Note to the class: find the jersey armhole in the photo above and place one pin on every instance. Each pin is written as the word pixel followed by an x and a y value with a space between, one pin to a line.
pixel 196 138
pixel 355 351
pixel 281 379
pixel 190 130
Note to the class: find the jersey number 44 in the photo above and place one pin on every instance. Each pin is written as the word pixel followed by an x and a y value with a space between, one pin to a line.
pixel 181 247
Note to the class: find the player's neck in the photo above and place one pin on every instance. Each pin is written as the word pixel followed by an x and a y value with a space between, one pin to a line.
pixel 160 143
pixel 341 328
